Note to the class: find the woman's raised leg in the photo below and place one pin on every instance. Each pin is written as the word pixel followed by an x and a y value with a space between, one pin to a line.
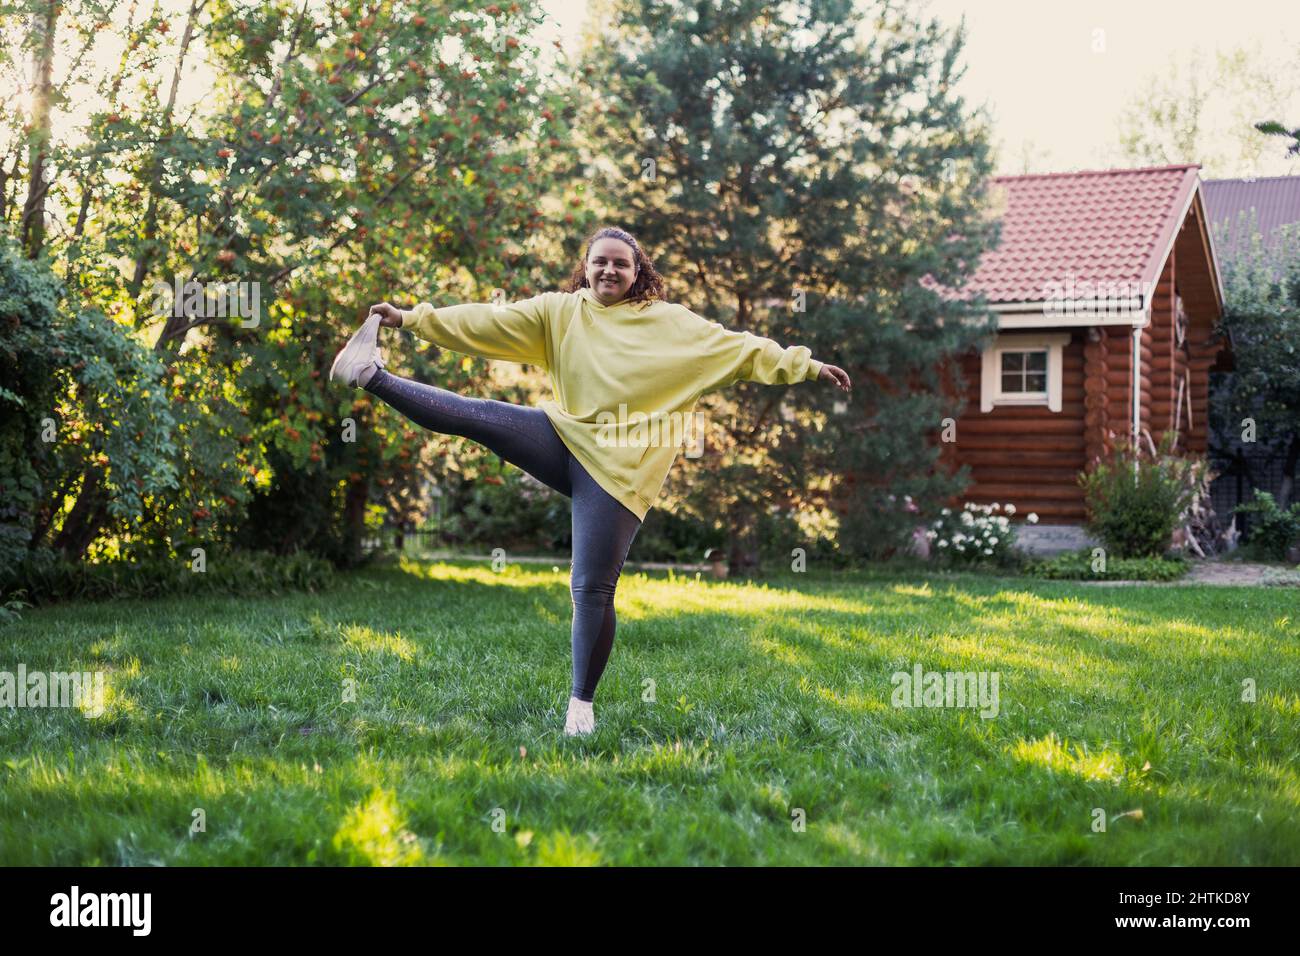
pixel 519 434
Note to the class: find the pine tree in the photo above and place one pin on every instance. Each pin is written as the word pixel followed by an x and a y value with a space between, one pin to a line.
pixel 797 170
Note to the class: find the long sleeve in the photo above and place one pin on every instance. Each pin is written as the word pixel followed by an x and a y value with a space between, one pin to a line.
pixel 515 332
pixel 730 356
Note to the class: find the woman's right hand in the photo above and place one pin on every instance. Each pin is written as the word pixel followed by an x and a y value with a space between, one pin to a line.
pixel 836 375
pixel 391 316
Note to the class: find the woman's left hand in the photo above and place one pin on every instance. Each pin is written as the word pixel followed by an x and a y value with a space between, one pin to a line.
pixel 837 375
pixel 390 315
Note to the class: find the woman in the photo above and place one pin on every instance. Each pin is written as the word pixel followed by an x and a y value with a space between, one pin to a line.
pixel 619 357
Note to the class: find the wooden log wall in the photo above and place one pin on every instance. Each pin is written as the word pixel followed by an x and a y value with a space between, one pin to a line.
pixel 1098 421
pixel 1025 454
pixel 1180 383
pixel 1110 388
pixel 1202 353
pixel 1159 336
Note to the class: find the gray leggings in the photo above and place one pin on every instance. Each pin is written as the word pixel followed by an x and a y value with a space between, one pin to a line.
pixel 603 528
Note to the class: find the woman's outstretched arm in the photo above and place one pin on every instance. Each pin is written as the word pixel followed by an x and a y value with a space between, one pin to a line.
pixel 730 356
pixel 514 332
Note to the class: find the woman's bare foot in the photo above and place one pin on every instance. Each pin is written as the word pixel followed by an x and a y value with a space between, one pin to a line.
pixel 580 719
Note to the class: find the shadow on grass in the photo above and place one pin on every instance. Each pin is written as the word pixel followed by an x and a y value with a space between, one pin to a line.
pixel 766 696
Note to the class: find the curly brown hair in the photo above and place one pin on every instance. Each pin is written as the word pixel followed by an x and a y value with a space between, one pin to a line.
pixel 648 285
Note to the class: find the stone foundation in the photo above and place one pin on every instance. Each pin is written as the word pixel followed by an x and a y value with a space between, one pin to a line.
pixel 1048 539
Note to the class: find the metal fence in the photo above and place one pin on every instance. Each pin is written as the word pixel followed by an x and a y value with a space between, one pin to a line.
pixel 414 541
pixel 1238 479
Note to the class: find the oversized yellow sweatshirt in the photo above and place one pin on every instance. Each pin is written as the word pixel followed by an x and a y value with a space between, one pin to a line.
pixel 626 377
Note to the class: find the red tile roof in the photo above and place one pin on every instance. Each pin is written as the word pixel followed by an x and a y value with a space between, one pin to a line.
pixel 1110 226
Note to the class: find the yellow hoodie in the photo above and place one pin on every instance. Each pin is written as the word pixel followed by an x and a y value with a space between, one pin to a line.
pixel 625 377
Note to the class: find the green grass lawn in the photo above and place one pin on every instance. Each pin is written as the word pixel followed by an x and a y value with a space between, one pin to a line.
pixel 769 699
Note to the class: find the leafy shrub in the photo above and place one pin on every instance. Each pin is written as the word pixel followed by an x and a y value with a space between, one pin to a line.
pixel 1078 566
pixel 1273 529
pixel 675 537
pixel 821 551
pixel 1135 500
pixel 82 411
pixel 505 510
pixel 46 577
pixel 12 606
pixel 976 533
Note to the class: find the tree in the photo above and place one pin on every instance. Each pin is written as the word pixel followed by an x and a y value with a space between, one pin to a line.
pixel 796 170
pixel 74 394
pixel 1274 128
pixel 1262 318
pixel 1199 113
pixel 336 156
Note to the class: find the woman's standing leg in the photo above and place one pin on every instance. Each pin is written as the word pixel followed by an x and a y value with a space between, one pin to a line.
pixel 603 530
pixel 519 434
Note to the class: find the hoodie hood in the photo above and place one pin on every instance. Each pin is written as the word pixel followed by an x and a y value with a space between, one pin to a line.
pixel 587 293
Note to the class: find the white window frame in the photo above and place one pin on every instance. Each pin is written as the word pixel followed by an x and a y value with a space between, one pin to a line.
pixel 991 393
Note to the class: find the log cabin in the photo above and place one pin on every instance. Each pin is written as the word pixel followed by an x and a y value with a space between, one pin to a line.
pixel 1107 293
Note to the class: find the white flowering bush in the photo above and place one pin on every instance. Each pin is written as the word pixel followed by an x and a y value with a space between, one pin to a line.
pixel 976 533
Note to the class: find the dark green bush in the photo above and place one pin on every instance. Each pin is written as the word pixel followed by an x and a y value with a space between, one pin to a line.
pixel 1078 566
pixel 44 577
pixel 1135 500
pixel 779 533
pixel 672 537
pixel 1273 530
pixel 504 509
pixel 518 515
pixel 83 415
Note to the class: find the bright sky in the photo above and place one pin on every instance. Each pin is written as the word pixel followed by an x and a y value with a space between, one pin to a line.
pixel 1050 93
pixel 1054 75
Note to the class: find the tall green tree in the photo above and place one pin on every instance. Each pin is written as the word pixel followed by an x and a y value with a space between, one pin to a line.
pixel 336 154
pixel 797 170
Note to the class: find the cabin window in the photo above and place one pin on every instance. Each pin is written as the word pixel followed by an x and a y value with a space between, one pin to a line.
pixel 1025 372
pixel 1023 369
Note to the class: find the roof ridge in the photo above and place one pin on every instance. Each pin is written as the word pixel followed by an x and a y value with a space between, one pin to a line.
pixel 1253 179
pixel 1100 172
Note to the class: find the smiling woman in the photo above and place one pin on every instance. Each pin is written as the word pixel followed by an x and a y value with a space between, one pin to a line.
pixel 616 353
pixel 615 268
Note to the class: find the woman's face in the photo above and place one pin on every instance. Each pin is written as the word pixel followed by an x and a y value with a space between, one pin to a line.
pixel 611 269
